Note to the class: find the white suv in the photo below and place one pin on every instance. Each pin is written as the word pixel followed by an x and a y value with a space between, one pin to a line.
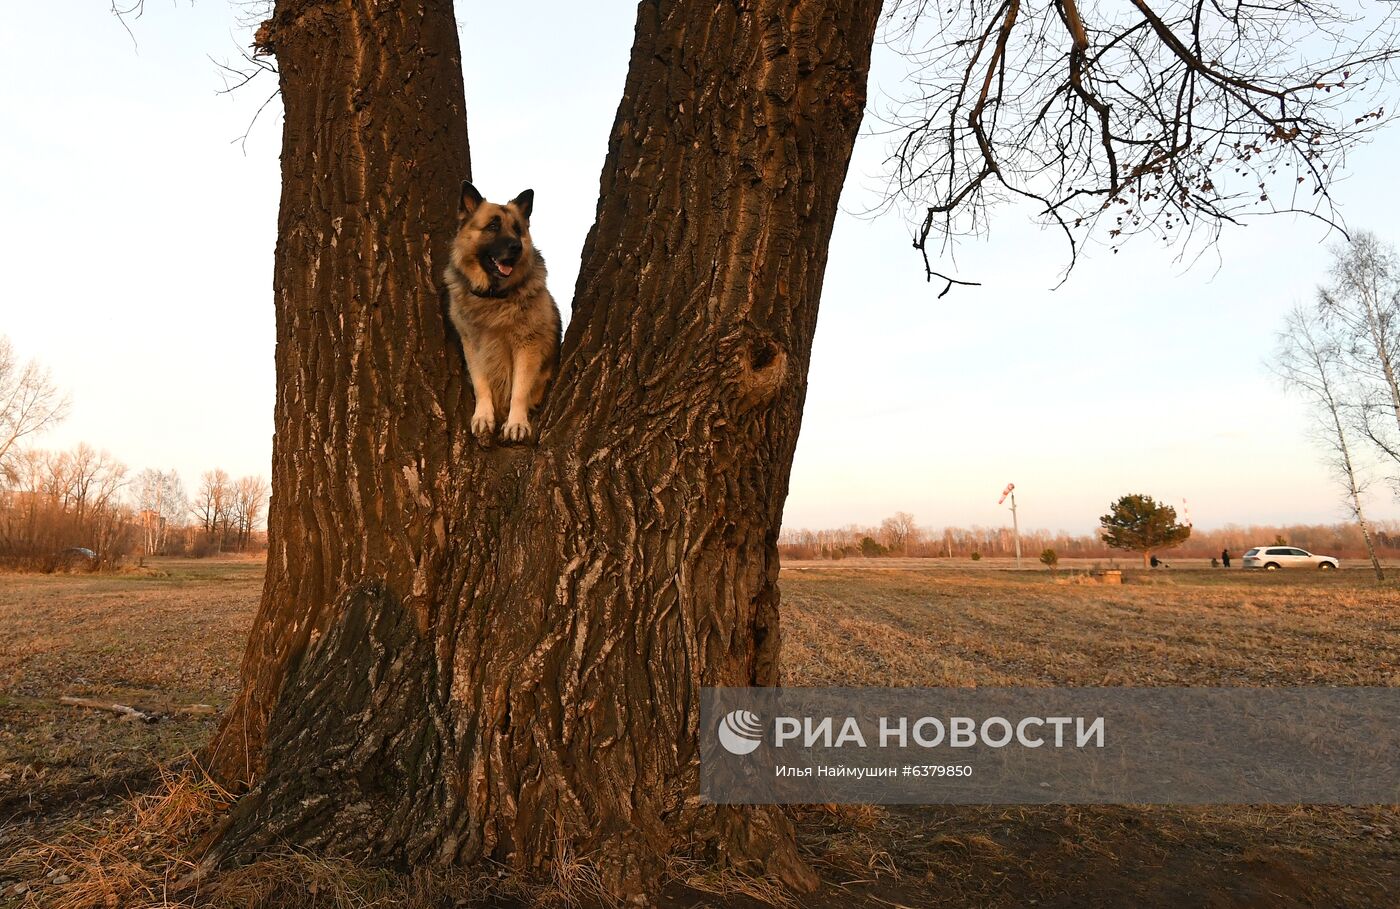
pixel 1272 558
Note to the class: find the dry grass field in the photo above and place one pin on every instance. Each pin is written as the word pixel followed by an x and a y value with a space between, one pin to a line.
pixel 170 639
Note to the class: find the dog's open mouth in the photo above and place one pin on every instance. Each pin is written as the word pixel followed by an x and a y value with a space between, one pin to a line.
pixel 502 268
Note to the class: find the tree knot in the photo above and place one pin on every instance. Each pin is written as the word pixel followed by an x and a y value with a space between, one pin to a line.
pixel 852 102
pixel 762 368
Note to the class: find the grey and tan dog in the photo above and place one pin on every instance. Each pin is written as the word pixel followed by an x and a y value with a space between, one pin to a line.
pixel 508 322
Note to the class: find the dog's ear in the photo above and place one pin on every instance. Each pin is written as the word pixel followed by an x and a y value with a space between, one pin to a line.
pixel 467 204
pixel 525 202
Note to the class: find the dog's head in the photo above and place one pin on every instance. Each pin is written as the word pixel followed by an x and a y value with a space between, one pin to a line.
pixel 493 248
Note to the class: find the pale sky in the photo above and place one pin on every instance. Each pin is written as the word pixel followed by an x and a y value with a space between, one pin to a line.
pixel 138 236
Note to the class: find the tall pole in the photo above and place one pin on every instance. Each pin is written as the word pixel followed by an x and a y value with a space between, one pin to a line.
pixel 1010 490
pixel 1016 528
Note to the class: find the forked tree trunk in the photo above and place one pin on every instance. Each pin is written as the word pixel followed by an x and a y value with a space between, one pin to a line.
pixel 464 653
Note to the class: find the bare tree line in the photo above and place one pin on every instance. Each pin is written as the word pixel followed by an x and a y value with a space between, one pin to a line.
pixel 83 507
pixel 900 536
pixel 56 500
pixel 54 504
pixel 229 510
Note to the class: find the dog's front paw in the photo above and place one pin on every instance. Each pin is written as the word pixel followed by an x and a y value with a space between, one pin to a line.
pixel 517 430
pixel 483 425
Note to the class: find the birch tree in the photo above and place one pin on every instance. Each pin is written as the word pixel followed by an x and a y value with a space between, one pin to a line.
pixel 1361 309
pixel 1309 361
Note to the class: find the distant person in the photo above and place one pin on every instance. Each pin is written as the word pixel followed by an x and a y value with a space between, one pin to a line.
pixel 1225 557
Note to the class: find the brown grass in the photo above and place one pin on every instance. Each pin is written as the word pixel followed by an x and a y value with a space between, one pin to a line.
pixel 129 858
pixel 87 819
pixel 146 856
pixel 953 628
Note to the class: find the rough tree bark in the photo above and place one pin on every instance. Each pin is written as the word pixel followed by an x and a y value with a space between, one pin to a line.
pixel 464 653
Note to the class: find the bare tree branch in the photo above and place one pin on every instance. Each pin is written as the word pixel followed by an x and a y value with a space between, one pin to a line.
pixel 1170 118
pixel 1360 305
pixel 134 10
pixel 29 403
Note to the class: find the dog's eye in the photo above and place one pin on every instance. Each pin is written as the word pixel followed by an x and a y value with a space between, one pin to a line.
pixel 494 225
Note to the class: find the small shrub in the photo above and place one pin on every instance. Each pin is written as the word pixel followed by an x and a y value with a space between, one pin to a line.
pixel 1049 559
pixel 976 556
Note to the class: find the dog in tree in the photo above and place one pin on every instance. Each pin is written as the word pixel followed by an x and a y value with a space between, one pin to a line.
pixel 508 321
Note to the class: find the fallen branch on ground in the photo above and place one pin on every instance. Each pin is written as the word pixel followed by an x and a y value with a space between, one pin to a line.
pixel 119 709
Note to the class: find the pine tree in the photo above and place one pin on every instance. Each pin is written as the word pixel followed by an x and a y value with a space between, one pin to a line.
pixel 1138 523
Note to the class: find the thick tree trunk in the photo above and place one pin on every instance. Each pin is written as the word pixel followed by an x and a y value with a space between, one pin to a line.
pixel 465 653
pixel 369 396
